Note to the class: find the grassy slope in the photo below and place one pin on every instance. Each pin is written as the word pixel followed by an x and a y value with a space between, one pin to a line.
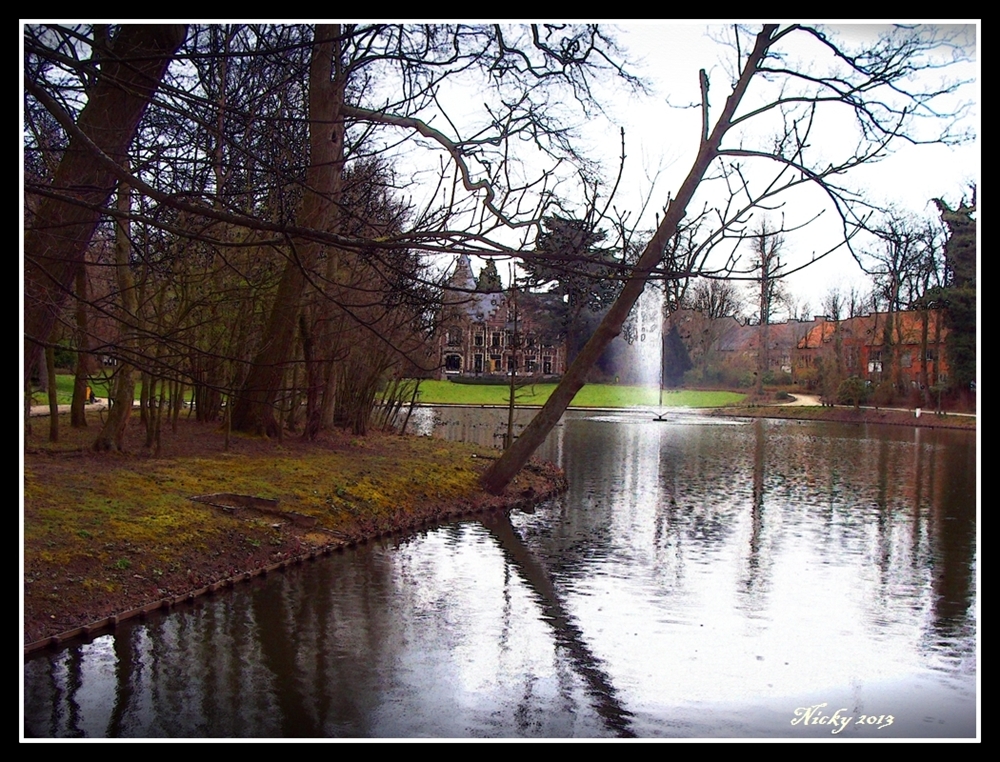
pixel 592 395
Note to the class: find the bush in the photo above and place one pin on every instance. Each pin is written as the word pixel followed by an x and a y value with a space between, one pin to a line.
pixel 65 357
pixel 503 380
pixel 808 377
pixel 777 378
pixel 852 391
pixel 884 394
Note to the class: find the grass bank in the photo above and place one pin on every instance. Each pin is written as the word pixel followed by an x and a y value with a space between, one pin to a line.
pixel 447 393
pixel 64 389
pixel 844 414
pixel 591 395
pixel 107 533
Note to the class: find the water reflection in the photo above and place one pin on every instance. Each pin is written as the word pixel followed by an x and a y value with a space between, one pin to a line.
pixel 698 580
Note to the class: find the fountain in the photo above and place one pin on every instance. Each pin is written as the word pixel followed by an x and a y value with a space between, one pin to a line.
pixel 649 327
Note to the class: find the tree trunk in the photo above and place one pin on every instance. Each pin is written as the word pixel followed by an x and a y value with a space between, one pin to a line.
pixel 312 380
pixel 78 411
pixel 27 408
pixel 763 328
pixel 60 232
pixel 516 456
pixel 925 392
pixel 936 373
pixel 253 411
pixel 147 391
pixel 157 415
pixel 176 402
pixel 148 403
pixel 112 436
pixel 292 421
pixel 50 366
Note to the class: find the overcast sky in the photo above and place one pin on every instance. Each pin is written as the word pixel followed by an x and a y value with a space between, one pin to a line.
pixel 661 135
pixel 661 139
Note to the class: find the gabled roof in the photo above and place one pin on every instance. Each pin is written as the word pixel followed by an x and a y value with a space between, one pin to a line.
pixel 744 338
pixel 479 307
pixel 870 329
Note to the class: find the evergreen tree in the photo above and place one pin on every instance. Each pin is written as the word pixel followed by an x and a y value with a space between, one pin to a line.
pixel 960 292
pixel 489 279
pixel 676 361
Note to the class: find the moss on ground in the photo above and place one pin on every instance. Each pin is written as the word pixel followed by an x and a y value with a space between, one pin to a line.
pixel 106 532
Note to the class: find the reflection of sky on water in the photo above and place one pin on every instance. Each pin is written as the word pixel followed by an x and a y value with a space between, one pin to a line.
pixel 697 580
pixel 796 561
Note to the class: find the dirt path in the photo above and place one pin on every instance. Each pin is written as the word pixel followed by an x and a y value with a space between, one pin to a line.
pixel 803 400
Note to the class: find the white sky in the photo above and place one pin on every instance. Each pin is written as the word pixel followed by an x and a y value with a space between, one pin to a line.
pixel 661 140
pixel 669 55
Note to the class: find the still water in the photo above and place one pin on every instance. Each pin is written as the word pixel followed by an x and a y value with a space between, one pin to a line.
pixel 701 578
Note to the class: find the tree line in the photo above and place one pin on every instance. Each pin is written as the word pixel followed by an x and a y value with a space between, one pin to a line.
pixel 253 211
pixel 226 207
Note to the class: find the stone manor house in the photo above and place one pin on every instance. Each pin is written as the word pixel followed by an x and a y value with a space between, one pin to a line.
pixel 484 331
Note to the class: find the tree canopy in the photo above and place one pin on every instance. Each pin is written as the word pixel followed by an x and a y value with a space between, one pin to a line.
pixel 782 83
pixel 285 182
pixel 282 187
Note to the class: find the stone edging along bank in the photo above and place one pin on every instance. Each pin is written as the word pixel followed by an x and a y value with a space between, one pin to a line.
pixel 483 504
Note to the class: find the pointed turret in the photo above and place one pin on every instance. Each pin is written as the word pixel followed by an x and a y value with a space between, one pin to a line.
pixel 462 278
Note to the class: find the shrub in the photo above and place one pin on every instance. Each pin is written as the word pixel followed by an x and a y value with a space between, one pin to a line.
pixel 65 356
pixel 502 380
pixel 884 394
pixel 777 378
pixel 808 377
pixel 852 391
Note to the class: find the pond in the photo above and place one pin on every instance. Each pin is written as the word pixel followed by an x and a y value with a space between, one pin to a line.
pixel 702 578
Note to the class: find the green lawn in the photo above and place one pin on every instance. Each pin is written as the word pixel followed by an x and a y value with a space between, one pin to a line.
pixel 592 395
pixel 64 390
pixel 445 392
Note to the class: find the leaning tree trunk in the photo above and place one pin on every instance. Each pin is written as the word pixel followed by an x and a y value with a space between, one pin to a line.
pixel 60 232
pixel 253 411
pixel 516 456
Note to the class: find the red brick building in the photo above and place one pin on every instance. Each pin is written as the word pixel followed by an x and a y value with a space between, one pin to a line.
pixel 908 346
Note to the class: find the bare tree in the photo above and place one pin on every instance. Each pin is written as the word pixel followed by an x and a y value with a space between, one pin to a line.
pixel 870 84
pixel 905 265
pixel 254 408
pixel 231 157
pixel 248 147
pixel 121 77
pixel 768 243
pixel 715 298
